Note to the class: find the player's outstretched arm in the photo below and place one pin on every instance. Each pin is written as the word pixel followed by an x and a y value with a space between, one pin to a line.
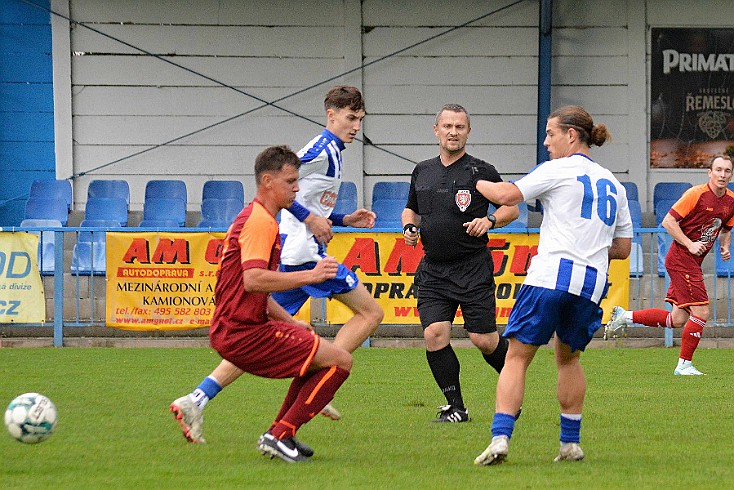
pixel 504 193
pixel 361 218
pixel 266 281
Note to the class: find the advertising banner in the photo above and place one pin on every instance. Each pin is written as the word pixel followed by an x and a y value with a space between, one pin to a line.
pixel 386 266
pixel 21 290
pixel 165 281
pixel 161 281
pixel 692 96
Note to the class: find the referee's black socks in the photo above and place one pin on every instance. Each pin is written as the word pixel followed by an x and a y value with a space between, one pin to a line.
pixel 497 358
pixel 445 368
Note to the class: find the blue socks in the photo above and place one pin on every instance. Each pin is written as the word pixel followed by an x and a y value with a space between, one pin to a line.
pixel 206 390
pixel 503 424
pixel 570 427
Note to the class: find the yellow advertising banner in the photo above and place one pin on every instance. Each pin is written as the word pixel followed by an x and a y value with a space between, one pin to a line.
pixel 161 281
pixel 21 290
pixel 386 266
pixel 165 281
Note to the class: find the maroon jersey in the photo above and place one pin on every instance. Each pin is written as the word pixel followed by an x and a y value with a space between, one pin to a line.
pixel 701 215
pixel 252 241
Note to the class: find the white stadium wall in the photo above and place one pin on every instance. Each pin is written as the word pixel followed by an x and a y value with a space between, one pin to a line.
pixel 121 101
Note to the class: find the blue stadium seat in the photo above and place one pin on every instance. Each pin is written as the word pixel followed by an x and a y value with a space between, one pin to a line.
pixel 52 189
pixel 636 214
pixel 669 190
pixel 107 209
pixel 95 235
pixel 637 260
pixel 167 189
pixel 88 258
pixel 632 193
pixel 163 212
pixel 46 243
pixel 346 202
pixel 109 188
pixel 664 239
pixel 219 213
pixel 42 208
pixel 224 189
pixel 390 190
pixel 388 213
pixel 159 223
pixel 662 208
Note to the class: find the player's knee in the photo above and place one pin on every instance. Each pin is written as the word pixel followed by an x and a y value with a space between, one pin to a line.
pixel 486 343
pixel 375 314
pixel 702 313
pixel 437 336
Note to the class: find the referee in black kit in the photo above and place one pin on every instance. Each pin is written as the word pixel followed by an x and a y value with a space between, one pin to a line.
pixel 457 268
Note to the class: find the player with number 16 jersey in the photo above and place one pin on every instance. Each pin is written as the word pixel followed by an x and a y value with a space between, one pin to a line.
pixel 570 190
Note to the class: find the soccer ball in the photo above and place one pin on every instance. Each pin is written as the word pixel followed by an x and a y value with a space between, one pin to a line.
pixel 31 418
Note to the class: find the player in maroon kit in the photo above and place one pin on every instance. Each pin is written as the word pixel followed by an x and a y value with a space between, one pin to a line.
pixel 253 332
pixel 695 220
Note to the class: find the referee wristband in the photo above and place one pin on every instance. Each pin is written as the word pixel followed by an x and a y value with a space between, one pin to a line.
pixel 410 227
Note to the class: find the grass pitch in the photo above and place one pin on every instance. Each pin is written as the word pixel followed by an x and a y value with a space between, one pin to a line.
pixel 642 428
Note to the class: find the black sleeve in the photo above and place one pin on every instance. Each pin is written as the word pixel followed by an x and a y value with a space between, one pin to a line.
pixel 492 174
pixel 412 203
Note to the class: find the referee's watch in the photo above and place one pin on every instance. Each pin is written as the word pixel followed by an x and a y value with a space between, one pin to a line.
pixel 492 219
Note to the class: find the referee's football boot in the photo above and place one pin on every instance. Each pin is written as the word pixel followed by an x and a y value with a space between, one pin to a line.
pixel 304 448
pixel 570 451
pixel 330 411
pixel 449 413
pixel 617 321
pixel 285 449
pixel 189 417
pixel 495 453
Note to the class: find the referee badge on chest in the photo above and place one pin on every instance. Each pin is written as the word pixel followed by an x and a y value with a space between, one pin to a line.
pixel 463 199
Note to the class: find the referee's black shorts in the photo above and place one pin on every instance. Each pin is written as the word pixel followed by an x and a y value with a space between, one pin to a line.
pixel 444 286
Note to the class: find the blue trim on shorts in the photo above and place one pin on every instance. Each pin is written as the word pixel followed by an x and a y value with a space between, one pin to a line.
pixel 293 299
pixel 540 312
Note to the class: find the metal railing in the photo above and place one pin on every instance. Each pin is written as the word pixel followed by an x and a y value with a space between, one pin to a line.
pixel 647 289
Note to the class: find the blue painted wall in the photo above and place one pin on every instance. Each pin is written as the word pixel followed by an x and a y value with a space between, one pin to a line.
pixel 26 104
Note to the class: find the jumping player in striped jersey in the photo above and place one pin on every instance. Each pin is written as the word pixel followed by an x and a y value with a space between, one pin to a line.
pixel 695 220
pixel 586 223
pixel 252 332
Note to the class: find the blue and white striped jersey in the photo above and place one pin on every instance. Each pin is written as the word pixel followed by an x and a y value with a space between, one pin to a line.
pixel 584 208
pixel 318 179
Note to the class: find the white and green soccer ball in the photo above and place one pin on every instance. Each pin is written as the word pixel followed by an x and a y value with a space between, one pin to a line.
pixel 31 418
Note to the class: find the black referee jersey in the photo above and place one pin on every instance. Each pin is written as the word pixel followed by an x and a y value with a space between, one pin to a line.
pixel 445 198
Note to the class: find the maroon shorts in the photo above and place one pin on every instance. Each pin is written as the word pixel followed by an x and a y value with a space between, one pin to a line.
pixel 271 350
pixel 686 289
